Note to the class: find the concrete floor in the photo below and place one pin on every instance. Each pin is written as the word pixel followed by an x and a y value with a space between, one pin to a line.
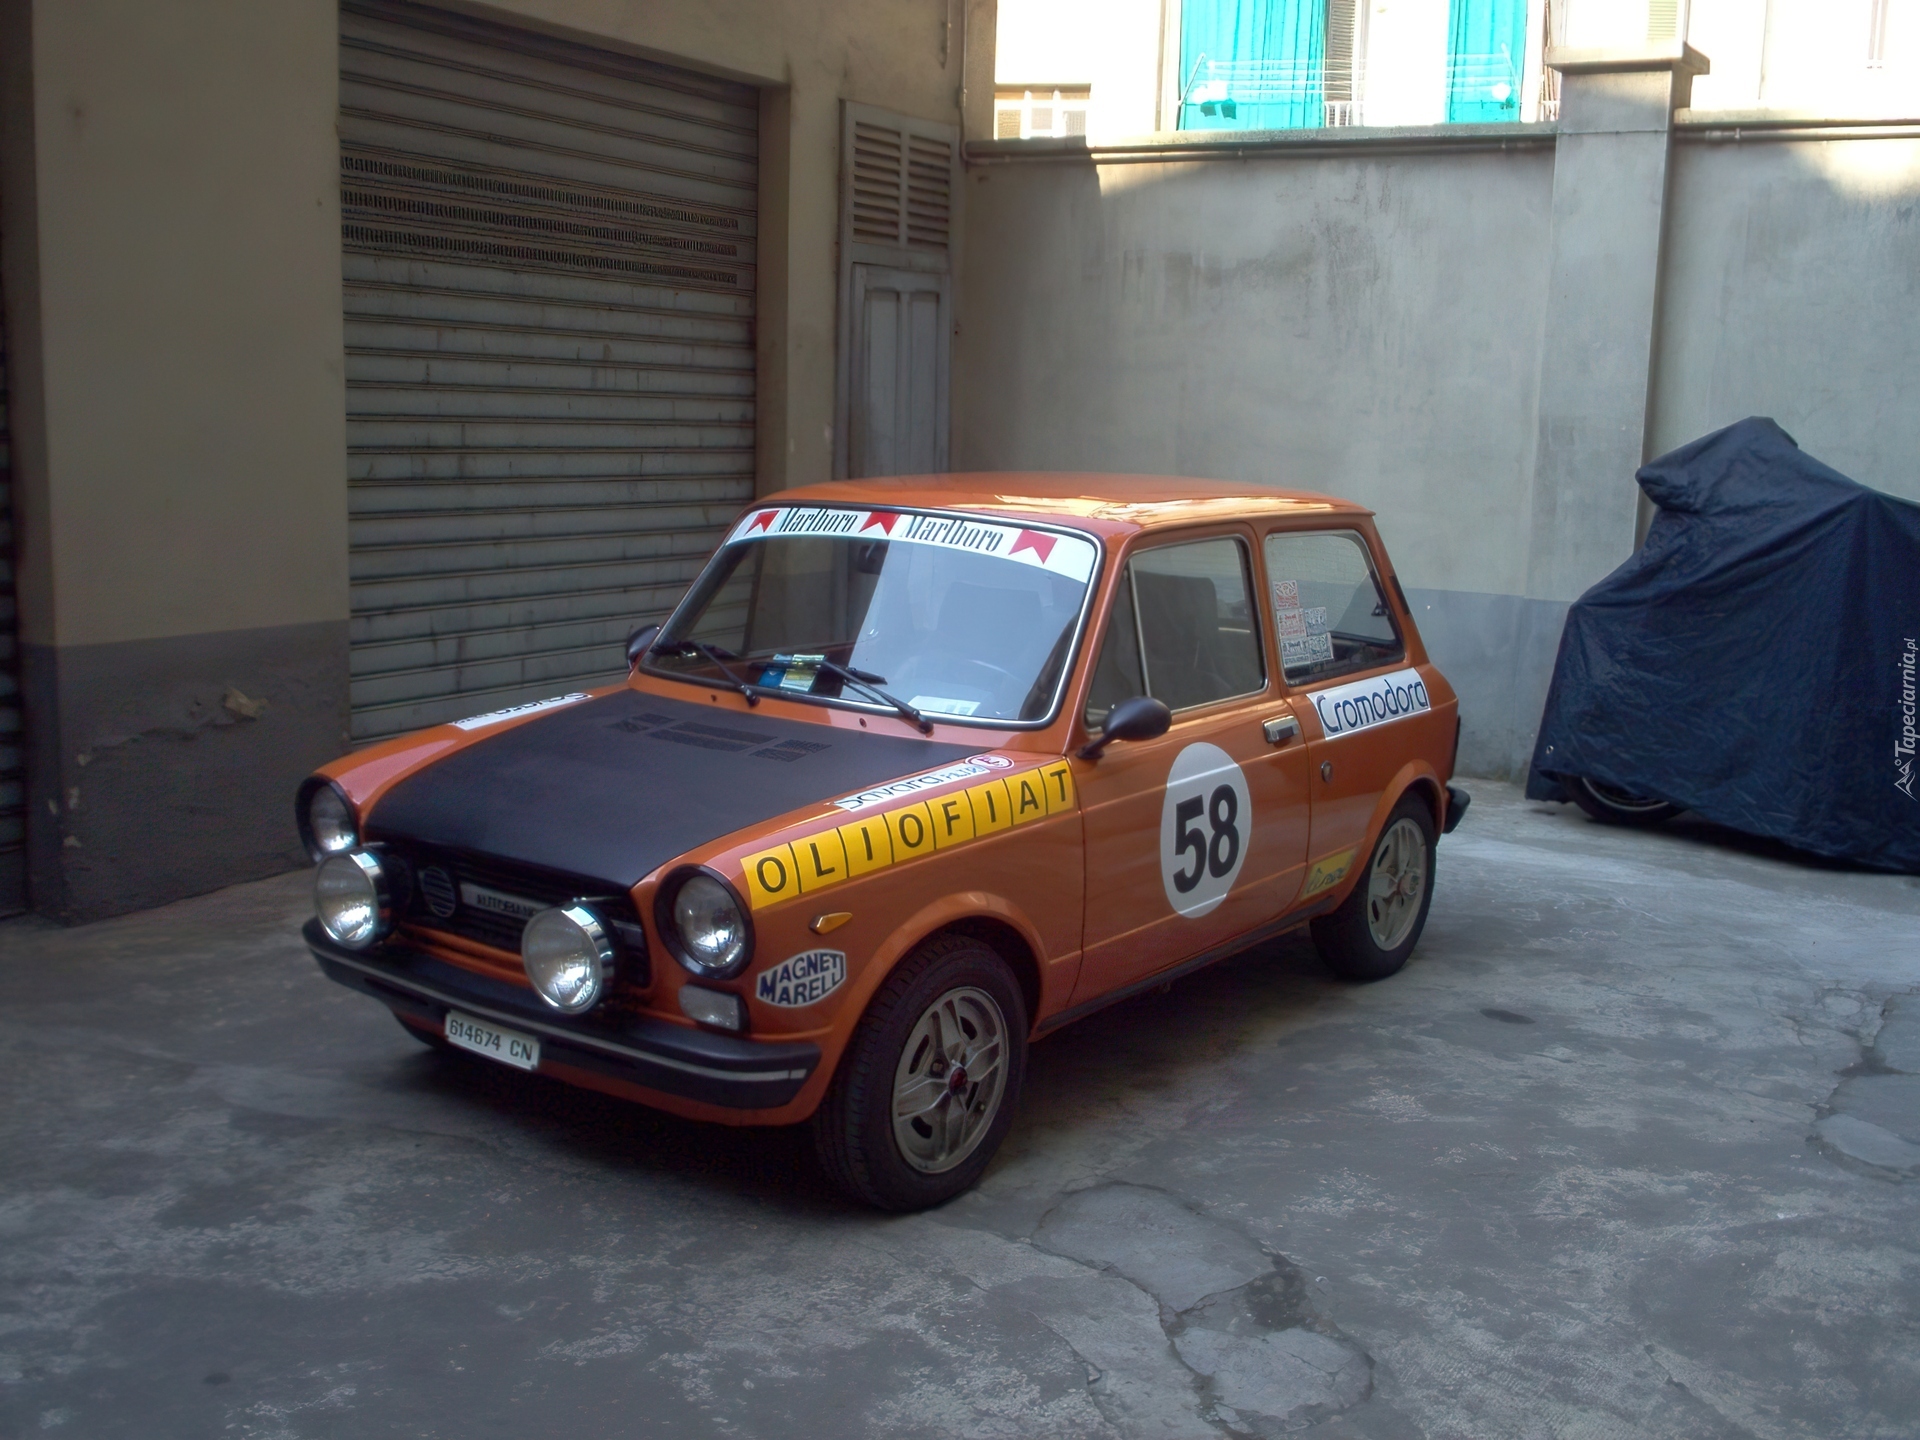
pixel 1628 1150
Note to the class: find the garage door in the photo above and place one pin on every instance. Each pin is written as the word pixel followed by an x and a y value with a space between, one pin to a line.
pixel 549 258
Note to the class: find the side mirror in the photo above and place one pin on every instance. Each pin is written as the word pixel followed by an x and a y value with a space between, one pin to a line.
pixel 1140 718
pixel 639 642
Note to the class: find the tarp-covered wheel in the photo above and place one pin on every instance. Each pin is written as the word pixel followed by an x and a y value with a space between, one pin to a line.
pixel 1376 927
pixel 926 1090
pixel 1616 806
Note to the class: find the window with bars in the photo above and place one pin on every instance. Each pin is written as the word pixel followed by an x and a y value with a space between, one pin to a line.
pixel 1032 112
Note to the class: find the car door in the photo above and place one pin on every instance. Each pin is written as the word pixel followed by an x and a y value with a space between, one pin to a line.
pixel 1345 661
pixel 1198 836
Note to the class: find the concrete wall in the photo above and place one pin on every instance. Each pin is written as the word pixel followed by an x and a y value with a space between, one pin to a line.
pixel 1366 324
pixel 172 285
pixel 1792 290
pixel 1381 324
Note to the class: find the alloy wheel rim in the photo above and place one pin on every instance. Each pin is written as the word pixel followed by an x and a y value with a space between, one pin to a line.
pixel 1395 884
pixel 950 1081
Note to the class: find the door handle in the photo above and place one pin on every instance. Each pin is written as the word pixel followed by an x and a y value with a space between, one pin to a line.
pixel 1280 730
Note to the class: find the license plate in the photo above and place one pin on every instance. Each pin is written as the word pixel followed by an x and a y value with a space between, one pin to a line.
pixel 509 1047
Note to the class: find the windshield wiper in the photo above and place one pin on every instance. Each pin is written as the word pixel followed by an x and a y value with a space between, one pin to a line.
pixel 719 658
pixel 871 683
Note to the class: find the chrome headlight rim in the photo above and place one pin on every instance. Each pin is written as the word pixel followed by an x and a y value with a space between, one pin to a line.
pixel 310 789
pixel 368 866
pixel 668 927
pixel 601 951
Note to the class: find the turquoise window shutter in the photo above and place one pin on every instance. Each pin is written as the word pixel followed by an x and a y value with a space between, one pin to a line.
pixel 1253 64
pixel 1486 42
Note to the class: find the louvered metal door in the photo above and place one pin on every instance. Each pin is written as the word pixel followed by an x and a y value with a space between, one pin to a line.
pixel 549 258
pixel 13 801
pixel 896 322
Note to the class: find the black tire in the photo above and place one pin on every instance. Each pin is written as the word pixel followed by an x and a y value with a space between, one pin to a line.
pixel 1614 806
pixel 853 1130
pixel 425 1037
pixel 1347 939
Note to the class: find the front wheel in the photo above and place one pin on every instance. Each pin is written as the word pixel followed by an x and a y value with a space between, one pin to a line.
pixel 1616 806
pixel 926 1090
pixel 1375 929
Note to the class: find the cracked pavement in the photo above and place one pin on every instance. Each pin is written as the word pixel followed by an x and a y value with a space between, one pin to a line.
pixel 1632 1148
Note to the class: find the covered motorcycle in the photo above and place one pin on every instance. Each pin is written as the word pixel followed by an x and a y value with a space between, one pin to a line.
pixel 1754 662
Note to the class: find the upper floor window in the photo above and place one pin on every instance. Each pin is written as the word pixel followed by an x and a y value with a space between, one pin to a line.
pixel 1037 112
pixel 1303 64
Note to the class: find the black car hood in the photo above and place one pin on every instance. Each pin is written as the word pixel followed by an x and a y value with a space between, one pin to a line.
pixel 611 789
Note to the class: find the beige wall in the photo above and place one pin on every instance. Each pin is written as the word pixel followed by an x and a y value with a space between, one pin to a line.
pixel 169 174
pixel 812 54
pixel 186 471
pixel 186 465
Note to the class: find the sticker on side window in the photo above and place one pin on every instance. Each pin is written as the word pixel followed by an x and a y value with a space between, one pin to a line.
pixel 1345 709
pixel 1204 823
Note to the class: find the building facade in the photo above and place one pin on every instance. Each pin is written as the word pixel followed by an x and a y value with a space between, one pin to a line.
pixel 1128 67
pixel 371 364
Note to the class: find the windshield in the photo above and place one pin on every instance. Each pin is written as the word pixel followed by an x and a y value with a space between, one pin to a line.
pixel 962 618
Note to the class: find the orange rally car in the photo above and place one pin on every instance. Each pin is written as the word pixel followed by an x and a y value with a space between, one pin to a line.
pixel 919 771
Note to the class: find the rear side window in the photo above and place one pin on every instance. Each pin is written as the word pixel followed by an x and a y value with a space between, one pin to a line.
pixel 1329 612
pixel 1182 630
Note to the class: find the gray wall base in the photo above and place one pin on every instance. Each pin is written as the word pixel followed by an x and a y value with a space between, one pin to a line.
pixel 148 779
pixel 1497 651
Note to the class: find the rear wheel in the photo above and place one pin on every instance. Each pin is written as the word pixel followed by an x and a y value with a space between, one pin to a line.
pixel 1617 806
pixel 926 1090
pixel 1376 927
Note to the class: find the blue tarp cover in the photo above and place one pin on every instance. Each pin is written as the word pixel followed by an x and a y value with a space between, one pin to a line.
pixel 1756 660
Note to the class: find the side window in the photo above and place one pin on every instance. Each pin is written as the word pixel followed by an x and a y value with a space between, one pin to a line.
pixel 1328 609
pixel 1182 630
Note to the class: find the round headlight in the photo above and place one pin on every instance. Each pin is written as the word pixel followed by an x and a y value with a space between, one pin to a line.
pixel 350 896
pixel 568 956
pixel 707 926
pixel 330 825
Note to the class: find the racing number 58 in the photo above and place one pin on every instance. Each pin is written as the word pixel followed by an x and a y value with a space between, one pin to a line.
pixel 1206 828
pixel 1216 856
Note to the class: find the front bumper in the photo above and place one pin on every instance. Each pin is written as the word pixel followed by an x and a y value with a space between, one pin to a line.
pixel 725 1070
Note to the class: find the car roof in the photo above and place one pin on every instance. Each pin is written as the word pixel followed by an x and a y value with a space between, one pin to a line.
pixel 1134 502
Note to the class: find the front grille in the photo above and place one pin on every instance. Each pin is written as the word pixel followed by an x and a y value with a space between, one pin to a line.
pixel 480 898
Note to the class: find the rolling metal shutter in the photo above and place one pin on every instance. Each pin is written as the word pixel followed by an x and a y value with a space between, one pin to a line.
pixel 13 802
pixel 549 259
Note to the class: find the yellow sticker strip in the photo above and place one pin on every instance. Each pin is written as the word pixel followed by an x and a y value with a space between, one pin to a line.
pixel 875 841
pixel 1327 873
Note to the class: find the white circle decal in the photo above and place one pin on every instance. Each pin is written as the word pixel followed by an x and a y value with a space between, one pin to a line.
pixel 1204 824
